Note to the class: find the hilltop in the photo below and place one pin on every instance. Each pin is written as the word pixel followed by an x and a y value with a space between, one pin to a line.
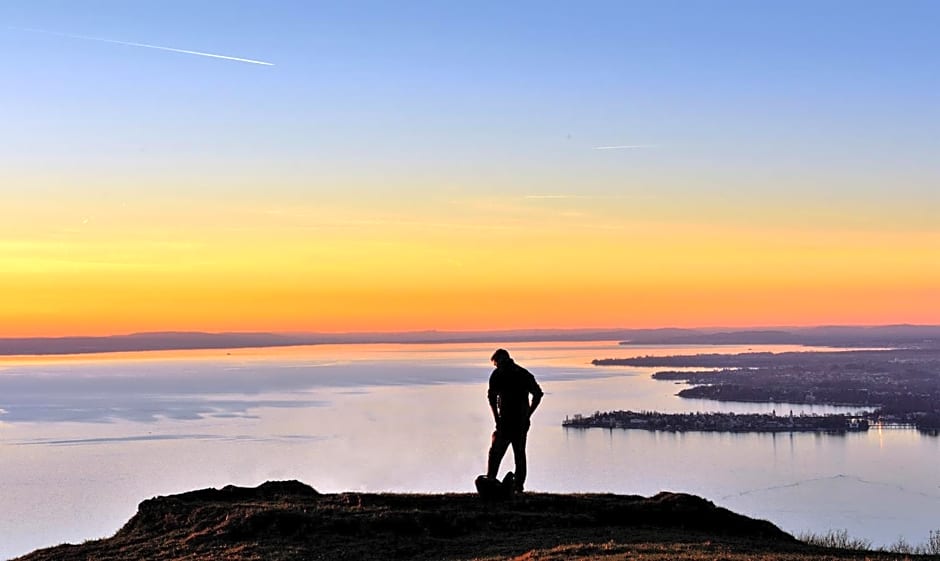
pixel 289 520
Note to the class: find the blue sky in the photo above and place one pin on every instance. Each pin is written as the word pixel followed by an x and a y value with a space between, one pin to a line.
pixel 775 84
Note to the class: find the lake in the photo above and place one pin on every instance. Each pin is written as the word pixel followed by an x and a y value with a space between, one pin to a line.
pixel 84 439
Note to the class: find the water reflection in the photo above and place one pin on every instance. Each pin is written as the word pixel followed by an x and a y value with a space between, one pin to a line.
pixel 78 408
pixel 411 418
pixel 156 437
pixel 146 387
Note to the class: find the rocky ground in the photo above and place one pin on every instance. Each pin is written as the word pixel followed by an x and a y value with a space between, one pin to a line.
pixel 291 521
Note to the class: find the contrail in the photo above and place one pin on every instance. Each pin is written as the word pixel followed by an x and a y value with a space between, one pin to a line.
pixel 625 146
pixel 145 45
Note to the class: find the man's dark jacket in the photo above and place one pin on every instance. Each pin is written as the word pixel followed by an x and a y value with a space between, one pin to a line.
pixel 510 386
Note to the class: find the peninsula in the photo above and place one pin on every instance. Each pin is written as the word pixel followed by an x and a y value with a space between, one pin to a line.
pixel 899 386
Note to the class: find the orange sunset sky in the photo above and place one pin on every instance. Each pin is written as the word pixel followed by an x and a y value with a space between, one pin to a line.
pixel 445 169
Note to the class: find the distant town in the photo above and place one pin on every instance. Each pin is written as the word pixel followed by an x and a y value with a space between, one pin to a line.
pixel 718 422
pixel 898 386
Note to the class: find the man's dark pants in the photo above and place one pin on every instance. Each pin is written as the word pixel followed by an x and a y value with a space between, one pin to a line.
pixel 502 439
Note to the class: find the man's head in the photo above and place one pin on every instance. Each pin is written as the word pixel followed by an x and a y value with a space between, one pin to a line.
pixel 500 356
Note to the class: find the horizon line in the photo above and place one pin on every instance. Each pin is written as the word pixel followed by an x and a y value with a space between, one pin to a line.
pixel 480 331
pixel 857 336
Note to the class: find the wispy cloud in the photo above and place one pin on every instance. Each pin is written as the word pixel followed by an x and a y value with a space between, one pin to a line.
pixel 145 45
pixel 625 146
pixel 319 222
pixel 556 197
pixel 571 196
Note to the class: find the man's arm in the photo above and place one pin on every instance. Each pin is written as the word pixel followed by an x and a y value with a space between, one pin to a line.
pixel 492 397
pixel 537 394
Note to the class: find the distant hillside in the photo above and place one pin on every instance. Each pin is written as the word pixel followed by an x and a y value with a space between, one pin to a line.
pixel 158 341
pixel 831 336
pixel 282 521
pixel 145 342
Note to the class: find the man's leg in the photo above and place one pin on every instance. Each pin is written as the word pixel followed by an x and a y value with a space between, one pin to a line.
pixel 518 452
pixel 497 451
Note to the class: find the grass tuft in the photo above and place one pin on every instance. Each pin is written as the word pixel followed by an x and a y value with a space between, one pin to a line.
pixel 838 539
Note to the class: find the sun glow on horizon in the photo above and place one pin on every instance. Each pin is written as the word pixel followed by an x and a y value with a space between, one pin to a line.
pixel 342 270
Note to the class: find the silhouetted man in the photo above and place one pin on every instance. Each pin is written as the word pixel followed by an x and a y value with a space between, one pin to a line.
pixel 510 386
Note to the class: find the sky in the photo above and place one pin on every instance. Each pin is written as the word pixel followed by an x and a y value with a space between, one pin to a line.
pixel 467 165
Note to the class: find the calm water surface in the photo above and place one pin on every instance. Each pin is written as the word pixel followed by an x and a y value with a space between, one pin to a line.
pixel 84 439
